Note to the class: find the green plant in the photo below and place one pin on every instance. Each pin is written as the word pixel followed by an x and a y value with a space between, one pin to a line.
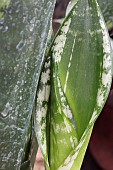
pixel 55 99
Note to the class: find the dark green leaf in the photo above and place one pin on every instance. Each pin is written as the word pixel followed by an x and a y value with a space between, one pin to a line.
pixel 23 38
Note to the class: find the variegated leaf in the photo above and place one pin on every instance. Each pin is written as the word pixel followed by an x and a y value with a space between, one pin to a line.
pixel 106 7
pixel 40 117
pixel 107 10
pixel 81 80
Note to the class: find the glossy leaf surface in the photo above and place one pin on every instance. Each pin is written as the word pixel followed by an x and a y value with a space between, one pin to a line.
pixel 24 26
pixel 81 79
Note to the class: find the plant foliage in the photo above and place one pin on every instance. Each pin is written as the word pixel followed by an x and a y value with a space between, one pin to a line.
pixel 107 10
pixel 81 79
pixel 24 26
pixel 63 90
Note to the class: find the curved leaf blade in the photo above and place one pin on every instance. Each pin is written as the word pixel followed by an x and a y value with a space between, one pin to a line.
pixel 63 137
pixel 82 61
pixel 40 117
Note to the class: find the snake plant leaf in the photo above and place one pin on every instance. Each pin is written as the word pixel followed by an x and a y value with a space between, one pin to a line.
pixel 106 7
pixel 63 137
pixel 81 79
pixel 24 26
pixel 107 10
pixel 40 117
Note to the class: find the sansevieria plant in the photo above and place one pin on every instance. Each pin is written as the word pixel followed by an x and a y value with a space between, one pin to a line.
pixel 51 89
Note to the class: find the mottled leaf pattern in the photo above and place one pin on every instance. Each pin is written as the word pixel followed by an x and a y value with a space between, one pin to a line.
pixel 24 29
pixel 40 117
pixel 107 10
pixel 80 81
pixel 81 78
pixel 106 7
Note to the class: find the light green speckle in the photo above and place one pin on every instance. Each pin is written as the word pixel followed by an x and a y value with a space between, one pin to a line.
pixel 3 4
